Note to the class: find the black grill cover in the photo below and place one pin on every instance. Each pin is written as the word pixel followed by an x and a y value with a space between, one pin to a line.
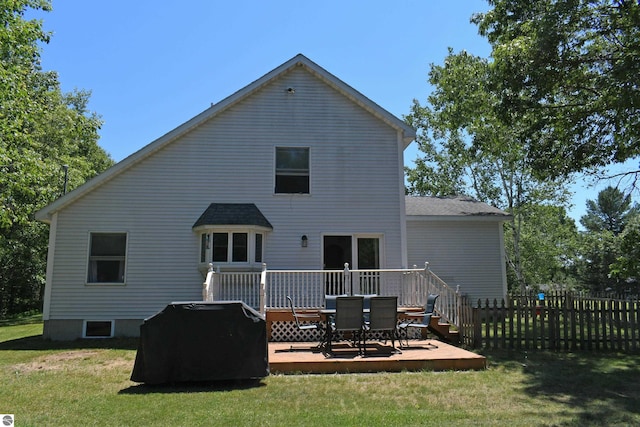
pixel 202 341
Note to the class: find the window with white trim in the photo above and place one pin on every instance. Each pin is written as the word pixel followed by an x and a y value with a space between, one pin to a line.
pixel 292 170
pixel 235 247
pixel 107 257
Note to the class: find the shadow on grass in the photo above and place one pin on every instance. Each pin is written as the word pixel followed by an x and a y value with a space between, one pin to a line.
pixel 194 387
pixel 36 342
pixel 604 387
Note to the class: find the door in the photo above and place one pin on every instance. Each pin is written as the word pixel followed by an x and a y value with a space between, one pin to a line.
pixel 337 252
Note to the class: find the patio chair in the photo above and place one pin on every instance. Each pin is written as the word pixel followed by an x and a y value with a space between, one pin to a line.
pixel 383 318
pixel 330 301
pixel 305 321
pixel 348 318
pixel 425 317
pixel 367 299
pixel 367 303
pixel 330 304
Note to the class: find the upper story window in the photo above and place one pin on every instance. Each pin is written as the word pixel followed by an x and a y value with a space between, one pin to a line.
pixel 292 170
pixel 107 257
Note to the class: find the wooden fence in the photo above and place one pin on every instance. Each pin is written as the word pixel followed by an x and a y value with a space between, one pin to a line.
pixel 558 321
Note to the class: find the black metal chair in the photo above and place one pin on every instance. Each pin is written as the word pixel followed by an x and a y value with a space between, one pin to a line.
pixel 383 318
pixel 425 318
pixel 348 318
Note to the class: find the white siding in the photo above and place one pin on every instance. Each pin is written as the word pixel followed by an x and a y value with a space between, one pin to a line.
pixel 463 253
pixel 230 159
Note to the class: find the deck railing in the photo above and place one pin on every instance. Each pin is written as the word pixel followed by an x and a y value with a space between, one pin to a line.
pixel 269 289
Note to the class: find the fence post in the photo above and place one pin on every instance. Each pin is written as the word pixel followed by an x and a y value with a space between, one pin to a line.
pixel 211 286
pixel 552 327
pixel 347 283
pixel 477 326
pixel 458 309
pixel 263 290
pixel 206 285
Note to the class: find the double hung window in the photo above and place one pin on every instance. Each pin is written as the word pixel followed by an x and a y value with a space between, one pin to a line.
pixel 107 257
pixel 292 170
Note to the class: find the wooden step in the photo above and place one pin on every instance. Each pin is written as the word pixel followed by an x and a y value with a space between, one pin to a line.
pixel 443 330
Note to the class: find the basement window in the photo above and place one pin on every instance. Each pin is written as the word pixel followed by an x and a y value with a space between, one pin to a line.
pixel 98 329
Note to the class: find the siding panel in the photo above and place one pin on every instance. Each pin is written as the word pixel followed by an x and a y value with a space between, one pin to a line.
pixel 462 253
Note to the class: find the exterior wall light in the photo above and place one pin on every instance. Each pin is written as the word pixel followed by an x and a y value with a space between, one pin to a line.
pixel 304 241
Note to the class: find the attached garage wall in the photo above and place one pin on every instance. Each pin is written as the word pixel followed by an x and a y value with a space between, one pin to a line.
pixel 466 253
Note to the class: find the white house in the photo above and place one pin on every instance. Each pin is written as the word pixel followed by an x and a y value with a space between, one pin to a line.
pixel 297 170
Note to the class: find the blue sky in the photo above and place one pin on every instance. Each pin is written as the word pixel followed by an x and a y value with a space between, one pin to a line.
pixel 150 65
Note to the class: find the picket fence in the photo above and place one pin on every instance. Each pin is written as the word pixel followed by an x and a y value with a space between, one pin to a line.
pixel 557 321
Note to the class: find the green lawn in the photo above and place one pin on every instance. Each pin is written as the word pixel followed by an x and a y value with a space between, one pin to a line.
pixel 87 383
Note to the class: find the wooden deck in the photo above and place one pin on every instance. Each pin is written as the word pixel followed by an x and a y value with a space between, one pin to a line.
pixel 433 355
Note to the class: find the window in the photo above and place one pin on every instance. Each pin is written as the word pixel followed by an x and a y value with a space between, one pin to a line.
pixel 107 254
pixel 292 170
pixel 240 247
pixel 220 247
pixel 231 247
pixel 204 245
pixel 258 252
pixel 98 329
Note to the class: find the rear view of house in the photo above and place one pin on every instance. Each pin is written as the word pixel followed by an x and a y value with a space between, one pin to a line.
pixel 297 170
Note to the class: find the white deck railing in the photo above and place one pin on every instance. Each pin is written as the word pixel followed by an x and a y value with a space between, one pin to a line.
pixel 269 289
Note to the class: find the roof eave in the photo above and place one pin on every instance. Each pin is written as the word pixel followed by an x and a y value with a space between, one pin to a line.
pixel 476 218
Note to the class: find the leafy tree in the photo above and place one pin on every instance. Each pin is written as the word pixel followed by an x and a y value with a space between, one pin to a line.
pixel 549 246
pixel 566 72
pixel 41 129
pixel 467 149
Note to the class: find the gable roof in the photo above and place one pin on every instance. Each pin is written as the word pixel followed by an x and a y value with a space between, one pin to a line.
pixel 408 133
pixel 232 214
pixel 455 207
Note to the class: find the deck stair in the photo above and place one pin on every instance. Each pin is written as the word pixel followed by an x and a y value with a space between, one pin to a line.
pixel 441 329
pixel 445 331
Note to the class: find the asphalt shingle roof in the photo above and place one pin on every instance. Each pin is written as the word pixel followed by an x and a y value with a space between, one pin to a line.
pixel 232 214
pixel 450 206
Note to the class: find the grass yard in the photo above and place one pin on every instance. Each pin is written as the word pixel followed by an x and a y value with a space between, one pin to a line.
pixel 86 382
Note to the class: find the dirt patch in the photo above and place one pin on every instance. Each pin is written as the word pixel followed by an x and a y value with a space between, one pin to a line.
pixel 70 360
